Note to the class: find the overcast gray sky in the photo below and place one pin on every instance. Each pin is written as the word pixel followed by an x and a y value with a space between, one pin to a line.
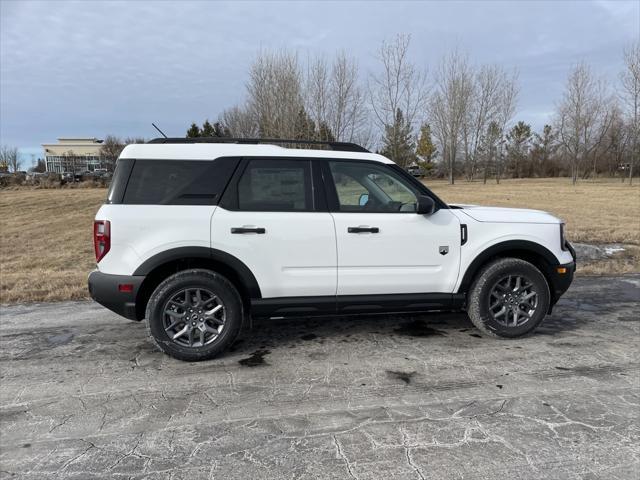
pixel 99 67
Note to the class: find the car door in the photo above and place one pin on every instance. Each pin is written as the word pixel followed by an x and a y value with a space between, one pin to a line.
pixel 271 220
pixel 384 246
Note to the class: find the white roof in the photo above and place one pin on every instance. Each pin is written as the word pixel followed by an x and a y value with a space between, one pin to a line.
pixel 209 151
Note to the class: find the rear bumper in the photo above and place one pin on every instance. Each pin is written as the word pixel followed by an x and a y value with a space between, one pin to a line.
pixel 105 289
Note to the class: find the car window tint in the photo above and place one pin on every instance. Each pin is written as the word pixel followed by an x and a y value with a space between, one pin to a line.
pixel 275 185
pixel 178 182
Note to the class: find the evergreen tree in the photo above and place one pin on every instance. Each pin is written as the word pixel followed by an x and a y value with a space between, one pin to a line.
pixel 208 130
pixel 545 146
pixel 324 133
pixel 426 148
pixel 220 130
pixel 398 141
pixel 305 128
pixel 40 167
pixel 518 138
pixel 491 147
pixel 194 131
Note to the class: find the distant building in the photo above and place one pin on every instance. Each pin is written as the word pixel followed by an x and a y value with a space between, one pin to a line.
pixel 73 155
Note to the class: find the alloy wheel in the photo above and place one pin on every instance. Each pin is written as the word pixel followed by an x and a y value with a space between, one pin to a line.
pixel 194 317
pixel 513 301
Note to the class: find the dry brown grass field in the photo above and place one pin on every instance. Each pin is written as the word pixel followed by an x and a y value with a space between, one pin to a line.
pixel 46 249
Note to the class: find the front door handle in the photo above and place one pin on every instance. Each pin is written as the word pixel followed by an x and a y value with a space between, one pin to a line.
pixel 248 230
pixel 363 230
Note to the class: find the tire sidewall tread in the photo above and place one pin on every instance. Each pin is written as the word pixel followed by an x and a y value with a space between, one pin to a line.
pixel 222 287
pixel 478 309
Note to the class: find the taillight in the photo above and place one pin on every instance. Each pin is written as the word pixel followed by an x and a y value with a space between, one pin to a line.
pixel 101 238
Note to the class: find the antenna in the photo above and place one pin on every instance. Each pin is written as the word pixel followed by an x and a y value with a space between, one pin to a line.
pixel 161 132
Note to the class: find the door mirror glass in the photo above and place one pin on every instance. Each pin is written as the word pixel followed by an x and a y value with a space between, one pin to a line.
pixel 364 198
pixel 426 205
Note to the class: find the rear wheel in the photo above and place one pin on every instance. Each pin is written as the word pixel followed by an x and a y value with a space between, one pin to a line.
pixel 194 315
pixel 509 298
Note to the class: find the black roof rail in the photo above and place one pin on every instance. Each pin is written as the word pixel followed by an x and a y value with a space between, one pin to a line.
pixel 340 146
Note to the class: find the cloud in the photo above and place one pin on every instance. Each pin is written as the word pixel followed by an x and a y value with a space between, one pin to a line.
pixel 93 68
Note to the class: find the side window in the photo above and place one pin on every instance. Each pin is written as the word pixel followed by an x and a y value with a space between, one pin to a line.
pixel 177 182
pixel 276 185
pixel 366 187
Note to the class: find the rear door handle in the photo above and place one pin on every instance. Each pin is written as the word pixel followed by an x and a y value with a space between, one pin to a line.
pixel 363 230
pixel 248 230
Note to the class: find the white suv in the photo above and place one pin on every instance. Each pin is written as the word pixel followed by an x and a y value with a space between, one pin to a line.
pixel 199 234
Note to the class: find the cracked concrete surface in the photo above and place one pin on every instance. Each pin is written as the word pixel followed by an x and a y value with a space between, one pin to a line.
pixel 84 395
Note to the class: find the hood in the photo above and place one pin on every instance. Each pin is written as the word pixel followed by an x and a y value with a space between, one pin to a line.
pixel 506 215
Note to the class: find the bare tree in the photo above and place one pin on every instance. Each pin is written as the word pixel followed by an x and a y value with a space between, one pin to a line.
pixel 506 111
pixel 110 151
pixel 335 100
pixel 630 80
pixel 317 91
pixel 450 105
pixel 275 94
pixel 9 157
pixel 400 85
pixel 583 117
pixel 240 122
pixel 489 85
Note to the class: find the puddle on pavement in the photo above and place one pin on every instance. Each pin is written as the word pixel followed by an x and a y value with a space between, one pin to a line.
pixel 417 328
pixel 256 359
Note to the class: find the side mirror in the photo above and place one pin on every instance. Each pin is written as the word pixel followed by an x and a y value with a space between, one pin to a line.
pixel 364 198
pixel 425 205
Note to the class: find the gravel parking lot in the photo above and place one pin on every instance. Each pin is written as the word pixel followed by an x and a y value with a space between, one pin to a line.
pixel 83 395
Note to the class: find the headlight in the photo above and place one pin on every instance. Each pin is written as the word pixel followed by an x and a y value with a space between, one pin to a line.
pixel 563 241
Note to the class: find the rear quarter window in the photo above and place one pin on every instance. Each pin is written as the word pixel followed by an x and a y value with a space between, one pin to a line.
pixel 178 182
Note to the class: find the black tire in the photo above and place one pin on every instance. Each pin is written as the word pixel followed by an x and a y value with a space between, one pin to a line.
pixel 187 281
pixel 492 279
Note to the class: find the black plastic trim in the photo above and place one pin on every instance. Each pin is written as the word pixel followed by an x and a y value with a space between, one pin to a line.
pixel 355 304
pixel 560 282
pixel 293 306
pixel 243 272
pixel 399 302
pixel 120 180
pixel 549 259
pixel 464 236
pixel 338 146
pixel 103 288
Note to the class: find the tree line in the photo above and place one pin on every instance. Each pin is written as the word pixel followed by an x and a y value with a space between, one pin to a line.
pixel 458 121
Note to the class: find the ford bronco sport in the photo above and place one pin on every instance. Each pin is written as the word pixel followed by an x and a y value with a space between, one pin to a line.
pixel 197 235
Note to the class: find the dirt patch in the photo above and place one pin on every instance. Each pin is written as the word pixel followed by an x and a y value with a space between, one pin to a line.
pixel 405 377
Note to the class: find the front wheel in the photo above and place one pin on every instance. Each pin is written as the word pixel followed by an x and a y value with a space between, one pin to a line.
pixel 509 298
pixel 194 315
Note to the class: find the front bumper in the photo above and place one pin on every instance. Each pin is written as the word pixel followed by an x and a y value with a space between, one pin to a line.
pixel 105 289
pixel 560 282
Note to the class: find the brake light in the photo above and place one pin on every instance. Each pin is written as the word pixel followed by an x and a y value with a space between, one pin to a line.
pixel 101 238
